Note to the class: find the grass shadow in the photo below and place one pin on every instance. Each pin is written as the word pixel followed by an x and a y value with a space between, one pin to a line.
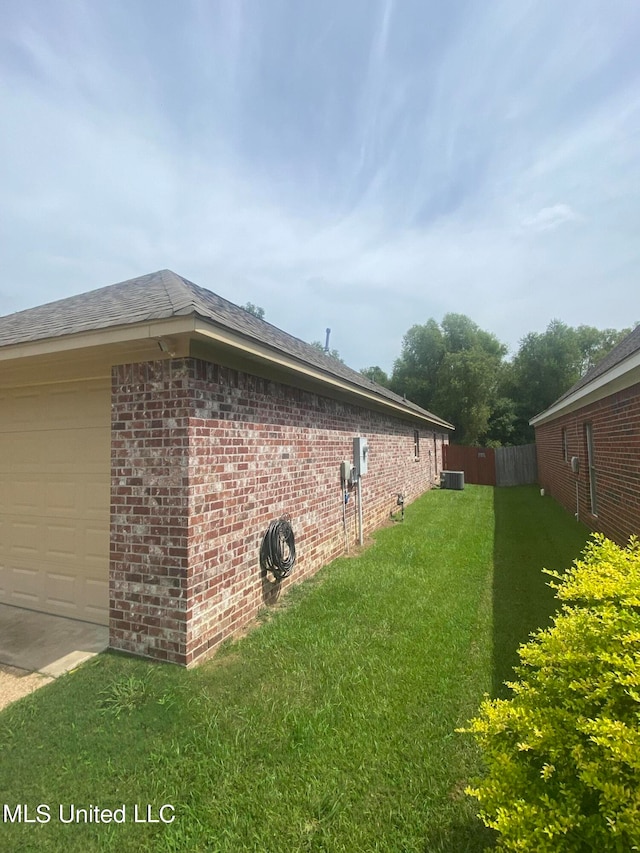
pixel 464 835
pixel 531 533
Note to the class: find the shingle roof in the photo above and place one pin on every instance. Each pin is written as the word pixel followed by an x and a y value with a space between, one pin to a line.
pixel 162 295
pixel 627 347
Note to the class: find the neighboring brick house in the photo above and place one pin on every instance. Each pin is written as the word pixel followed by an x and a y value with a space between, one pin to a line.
pixel 597 422
pixel 149 433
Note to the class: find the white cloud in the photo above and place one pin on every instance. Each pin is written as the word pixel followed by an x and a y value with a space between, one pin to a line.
pixel 550 217
pixel 351 168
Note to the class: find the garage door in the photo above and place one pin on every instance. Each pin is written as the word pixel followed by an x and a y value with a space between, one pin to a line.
pixel 54 498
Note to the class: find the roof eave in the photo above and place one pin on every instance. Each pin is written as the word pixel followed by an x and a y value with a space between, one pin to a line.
pixel 150 329
pixel 185 326
pixel 257 350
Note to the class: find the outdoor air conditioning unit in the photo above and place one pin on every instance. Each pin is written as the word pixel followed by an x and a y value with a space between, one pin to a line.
pixel 452 480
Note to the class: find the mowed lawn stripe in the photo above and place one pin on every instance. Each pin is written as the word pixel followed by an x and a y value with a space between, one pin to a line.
pixel 329 727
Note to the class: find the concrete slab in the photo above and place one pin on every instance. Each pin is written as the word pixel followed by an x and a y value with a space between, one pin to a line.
pixel 16 683
pixel 39 642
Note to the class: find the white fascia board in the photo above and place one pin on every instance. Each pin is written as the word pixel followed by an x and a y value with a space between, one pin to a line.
pixel 620 376
pixel 186 327
pixel 152 329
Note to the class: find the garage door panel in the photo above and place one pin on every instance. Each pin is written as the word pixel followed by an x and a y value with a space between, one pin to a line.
pixel 73 450
pixel 22 452
pixel 53 535
pixel 95 593
pixel 20 598
pixel 44 407
pixel 59 406
pixel 97 496
pixel 54 451
pixel 63 452
pixel 61 496
pixel 96 545
pixel 54 499
pixel 24 584
pixel 27 496
pixel 61 590
pixel 86 496
pixel 61 541
pixel 23 540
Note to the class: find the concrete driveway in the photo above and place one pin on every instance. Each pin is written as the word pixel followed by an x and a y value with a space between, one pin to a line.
pixel 35 648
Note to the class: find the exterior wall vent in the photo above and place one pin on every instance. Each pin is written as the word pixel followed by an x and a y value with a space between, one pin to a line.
pixel 452 480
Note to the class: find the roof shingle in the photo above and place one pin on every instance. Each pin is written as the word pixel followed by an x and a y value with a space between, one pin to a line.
pixel 162 295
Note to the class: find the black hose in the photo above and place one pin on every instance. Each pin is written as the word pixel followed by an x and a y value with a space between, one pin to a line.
pixel 278 549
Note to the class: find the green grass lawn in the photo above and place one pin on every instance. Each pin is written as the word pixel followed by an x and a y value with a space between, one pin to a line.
pixel 331 726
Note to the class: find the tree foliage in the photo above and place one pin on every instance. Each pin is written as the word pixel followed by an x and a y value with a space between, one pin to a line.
pixel 451 368
pixel 460 372
pixel 547 364
pixel 332 352
pixel 256 310
pixel 376 374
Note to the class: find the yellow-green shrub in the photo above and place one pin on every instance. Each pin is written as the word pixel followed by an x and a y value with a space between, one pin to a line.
pixel 563 754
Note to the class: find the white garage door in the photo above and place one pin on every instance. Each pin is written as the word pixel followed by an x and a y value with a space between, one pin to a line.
pixel 54 498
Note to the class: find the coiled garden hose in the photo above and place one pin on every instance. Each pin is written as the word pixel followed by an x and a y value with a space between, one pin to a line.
pixel 278 549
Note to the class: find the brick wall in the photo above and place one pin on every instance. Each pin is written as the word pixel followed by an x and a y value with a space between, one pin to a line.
pixel 616 443
pixel 203 458
pixel 150 408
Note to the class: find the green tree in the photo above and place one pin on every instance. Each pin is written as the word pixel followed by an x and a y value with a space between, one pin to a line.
pixel 501 428
pixel 595 343
pixel 458 371
pixel 376 374
pixel 332 352
pixel 548 363
pixel 415 373
pixel 452 369
pixel 256 310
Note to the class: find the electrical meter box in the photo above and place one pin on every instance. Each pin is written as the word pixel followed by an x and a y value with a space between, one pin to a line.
pixel 360 455
pixel 346 471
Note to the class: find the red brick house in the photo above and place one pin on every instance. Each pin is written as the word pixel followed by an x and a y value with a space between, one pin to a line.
pixel 588 444
pixel 150 431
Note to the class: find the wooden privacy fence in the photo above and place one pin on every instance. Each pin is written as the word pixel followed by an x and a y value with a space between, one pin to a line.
pixel 488 466
pixel 516 466
pixel 478 463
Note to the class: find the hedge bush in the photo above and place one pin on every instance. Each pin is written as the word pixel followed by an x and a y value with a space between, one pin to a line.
pixel 562 755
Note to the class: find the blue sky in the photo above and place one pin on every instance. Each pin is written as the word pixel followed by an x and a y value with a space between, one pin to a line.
pixel 362 165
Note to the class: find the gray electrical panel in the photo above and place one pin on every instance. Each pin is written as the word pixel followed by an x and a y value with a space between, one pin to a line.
pixel 360 455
